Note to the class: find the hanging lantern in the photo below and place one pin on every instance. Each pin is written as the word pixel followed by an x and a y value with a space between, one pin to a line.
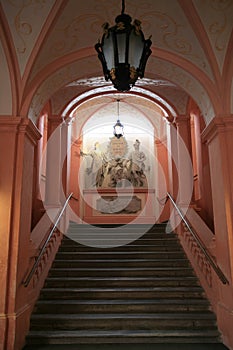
pixel 118 129
pixel 123 51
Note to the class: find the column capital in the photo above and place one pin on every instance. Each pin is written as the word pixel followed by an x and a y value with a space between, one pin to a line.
pixel 182 119
pixel 30 130
pixel 55 119
pixel 217 126
pixel 160 141
pixel 77 143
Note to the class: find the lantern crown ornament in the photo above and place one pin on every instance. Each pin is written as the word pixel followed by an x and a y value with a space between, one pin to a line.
pixel 123 51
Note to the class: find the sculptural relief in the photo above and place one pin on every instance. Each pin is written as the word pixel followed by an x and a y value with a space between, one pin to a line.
pixel 119 205
pixel 98 164
pixel 116 167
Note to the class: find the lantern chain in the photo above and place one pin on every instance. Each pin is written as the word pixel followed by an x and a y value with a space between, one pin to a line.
pixel 123 7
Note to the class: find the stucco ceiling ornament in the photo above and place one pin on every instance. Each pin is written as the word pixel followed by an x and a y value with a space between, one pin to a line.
pixel 100 81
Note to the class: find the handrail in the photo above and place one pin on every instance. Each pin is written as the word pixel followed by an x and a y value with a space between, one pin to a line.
pixel 200 244
pixel 36 263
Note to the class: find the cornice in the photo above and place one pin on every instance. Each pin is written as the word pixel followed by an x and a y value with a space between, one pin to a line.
pixel 30 130
pixel 180 119
pixel 22 125
pixel 217 126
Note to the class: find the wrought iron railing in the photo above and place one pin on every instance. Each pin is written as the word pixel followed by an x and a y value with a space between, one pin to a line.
pixel 202 247
pixel 43 248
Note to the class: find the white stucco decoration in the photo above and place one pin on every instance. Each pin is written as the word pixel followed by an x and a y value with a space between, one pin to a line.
pixel 80 27
pixel 187 82
pixel 26 19
pixel 56 82
pixel 217 17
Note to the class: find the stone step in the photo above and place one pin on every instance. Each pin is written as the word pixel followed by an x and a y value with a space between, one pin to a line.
pixel 125 321
pixel 160 271
pixel 123 337
pixel 121 233
pixel 119 293
pixel 87 263
pixel 123 227
pixel 65 281
pixel 121 305
pixel 129 346
pixel 160 235
pixel 119 255
pixel 111 242
pixel 123 230
pixel 75 247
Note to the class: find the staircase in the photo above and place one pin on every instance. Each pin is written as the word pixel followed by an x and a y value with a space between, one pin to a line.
pixel 144 292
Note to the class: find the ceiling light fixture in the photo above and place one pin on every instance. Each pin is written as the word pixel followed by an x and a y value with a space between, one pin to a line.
pixel 123 51
pixel 118 129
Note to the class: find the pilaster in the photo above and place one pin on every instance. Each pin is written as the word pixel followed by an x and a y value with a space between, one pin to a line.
pixel 18 137
pixel 76 201
pixel 65 158
pixel 219 138
pixel 172 159
pixel 185 170
pixel 162 179
pixel 53 163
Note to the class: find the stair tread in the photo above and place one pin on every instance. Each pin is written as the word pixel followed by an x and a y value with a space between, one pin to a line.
pixel 127 333
pixel 75 239
pixel 121 260
pixel 123 301
pixel 109 316
pixel 119 278
pixel 128 289
pixel 172 241
pixel 121 268
pixel 122 252
pixel 121 247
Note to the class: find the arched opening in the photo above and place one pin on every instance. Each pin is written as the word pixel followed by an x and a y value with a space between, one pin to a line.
pixel 144 123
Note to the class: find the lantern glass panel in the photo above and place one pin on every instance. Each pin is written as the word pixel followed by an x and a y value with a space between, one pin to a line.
pixel 118 130
pixel 121 46
pixel 136 46
pixel 108 51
